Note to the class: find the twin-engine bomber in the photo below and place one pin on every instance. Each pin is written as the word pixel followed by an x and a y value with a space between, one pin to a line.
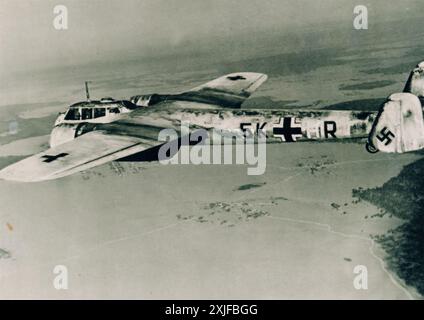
pixel 94 132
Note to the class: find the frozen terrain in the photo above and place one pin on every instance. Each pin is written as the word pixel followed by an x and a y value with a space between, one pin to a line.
pixel 185 231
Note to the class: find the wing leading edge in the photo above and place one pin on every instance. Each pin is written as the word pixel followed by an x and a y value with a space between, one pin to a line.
pixel 88 151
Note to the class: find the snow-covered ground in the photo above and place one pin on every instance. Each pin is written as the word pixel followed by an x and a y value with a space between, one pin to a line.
pixel 185 231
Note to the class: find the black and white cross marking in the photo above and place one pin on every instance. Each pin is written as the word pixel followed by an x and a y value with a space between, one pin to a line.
pixel 288 129
pixel 49 158
pixel 235 78
pixel 385 136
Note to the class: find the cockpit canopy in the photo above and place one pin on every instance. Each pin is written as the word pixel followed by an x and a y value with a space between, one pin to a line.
pixel 88 110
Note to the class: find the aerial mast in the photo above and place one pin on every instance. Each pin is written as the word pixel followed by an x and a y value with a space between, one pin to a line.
pixel 87 93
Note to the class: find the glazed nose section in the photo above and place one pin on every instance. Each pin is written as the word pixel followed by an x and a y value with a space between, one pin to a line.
pixel 399 125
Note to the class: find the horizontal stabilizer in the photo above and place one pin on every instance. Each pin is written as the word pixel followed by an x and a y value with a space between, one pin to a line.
pixel 415 83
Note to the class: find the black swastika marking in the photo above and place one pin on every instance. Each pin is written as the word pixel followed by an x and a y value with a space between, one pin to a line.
pixel 385 136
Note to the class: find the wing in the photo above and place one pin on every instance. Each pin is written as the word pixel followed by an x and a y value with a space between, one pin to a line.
pixel 229 90
pixel 87 151
pixel 241 84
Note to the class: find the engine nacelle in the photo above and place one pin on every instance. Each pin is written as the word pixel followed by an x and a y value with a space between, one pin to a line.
pixel 141 100
pixel 62 133
pixel 148 100
pixel 66 132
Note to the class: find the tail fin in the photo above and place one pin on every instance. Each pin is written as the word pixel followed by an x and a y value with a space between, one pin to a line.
pixel 415 83
pixel 399 125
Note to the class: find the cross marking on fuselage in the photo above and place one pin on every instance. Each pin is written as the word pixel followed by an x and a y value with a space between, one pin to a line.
pixel 286 132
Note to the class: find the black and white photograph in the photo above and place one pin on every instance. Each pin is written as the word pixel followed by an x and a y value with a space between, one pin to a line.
pixel 211 150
